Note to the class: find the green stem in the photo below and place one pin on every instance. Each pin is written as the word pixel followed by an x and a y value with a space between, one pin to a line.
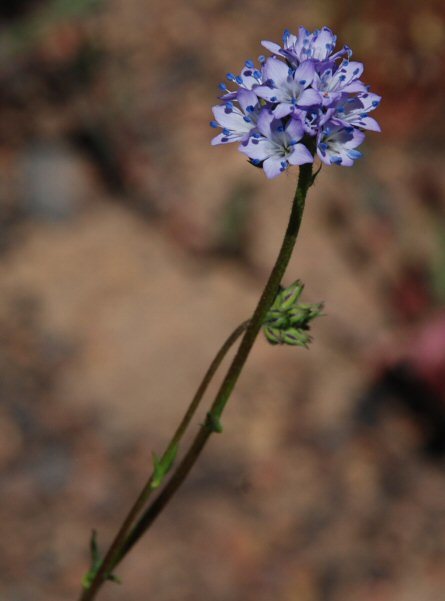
pixel 212 423
pixel 110 558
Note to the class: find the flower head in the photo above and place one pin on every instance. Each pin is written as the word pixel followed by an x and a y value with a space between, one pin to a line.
pixel 305 90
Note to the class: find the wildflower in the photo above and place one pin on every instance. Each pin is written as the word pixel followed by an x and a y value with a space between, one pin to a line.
pixel 276 146
pixel 353 110
pixel 235 122
pixel 306 90
pixel 248 79
pixel 335 80
pixel 288 88
pixel 317 46
pixel 337 143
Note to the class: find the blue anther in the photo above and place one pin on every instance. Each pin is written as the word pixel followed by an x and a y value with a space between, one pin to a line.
pixel 214 124
pixel 354 154
pixel 249 64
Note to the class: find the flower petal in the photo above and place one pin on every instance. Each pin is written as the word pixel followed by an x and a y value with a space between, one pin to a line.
pixel 231 119
pixel 309 97
pixel 276 70
pixel 271 46
pixel 305 72
pixel 265 121
pixel 295 129
pixel 247 98
pixel 270 94
pixel 300 155
pixel 282 110
pixel 273 167
pixel 256 148
pixel 369 123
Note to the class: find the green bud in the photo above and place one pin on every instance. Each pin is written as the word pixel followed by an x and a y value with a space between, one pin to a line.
pixel 289 296
pixel 276 319
pixel 273 335
pixel 296 337
pixel 288 321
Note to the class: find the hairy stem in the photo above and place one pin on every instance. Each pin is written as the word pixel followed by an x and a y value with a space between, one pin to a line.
pixel 116 546
pixel 212 423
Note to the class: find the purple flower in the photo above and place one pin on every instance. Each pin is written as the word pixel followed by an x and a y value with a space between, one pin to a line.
pixel 335 80
pixel 236 123
pixel 249 78
pixel 288 88
pixel 313 118
pixel 276 146
pixel 353 110
pixel 317 46
pixel 337 143
pixel 305 95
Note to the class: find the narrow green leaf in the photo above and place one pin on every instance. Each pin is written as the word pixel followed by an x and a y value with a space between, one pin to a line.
pixel 161 466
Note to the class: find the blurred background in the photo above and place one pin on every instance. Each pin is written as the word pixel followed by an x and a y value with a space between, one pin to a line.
pixel 129 249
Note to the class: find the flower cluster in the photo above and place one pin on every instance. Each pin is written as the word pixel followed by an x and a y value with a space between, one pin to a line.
pixel 288 320
pixel 306 98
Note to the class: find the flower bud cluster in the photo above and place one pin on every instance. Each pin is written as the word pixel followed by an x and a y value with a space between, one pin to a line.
pixel 288 321
pixel 305 90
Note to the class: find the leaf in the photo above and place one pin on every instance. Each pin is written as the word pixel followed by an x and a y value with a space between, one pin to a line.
pixel 161 466
pixel 96 562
